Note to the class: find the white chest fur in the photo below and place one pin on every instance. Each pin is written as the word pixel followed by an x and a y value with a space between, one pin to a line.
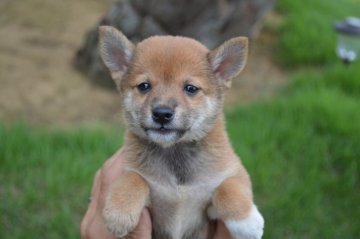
pixel 182 180
pixel 180 209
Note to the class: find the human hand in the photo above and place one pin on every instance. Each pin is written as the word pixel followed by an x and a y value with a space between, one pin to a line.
pixel 93 226
pixel 221 231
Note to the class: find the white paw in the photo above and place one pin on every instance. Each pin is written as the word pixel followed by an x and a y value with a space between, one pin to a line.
pixel 119 223
pixel 251 227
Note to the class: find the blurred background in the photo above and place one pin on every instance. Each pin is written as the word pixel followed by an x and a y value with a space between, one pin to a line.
pixel 293 115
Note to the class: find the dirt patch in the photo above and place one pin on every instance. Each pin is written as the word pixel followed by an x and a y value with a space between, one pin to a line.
pixel 39 84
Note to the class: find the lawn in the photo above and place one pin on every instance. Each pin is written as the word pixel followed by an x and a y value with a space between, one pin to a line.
pixel 45 178
pixel 306 35
pixel 302 147
pixel 303 150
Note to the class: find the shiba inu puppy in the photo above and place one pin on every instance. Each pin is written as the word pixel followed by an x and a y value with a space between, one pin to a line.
pixel 179 161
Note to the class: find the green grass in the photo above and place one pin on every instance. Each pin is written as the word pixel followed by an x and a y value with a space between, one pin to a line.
pixel 302 152
pixel 307 36
pixel 45 178
pixel 334 76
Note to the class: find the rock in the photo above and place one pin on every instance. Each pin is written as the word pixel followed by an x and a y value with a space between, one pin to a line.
pixel 124 17
pixel 209 21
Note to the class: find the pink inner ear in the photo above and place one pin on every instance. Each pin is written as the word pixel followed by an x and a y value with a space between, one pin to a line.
pixel 223 66
pixel 121 60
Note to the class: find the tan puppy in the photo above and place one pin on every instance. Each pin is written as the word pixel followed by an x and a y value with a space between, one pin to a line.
pixel 179 161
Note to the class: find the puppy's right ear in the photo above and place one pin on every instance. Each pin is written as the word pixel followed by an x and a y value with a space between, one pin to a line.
pixel 116 51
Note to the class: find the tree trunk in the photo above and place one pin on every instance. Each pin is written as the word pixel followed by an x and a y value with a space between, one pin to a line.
pixel 209 21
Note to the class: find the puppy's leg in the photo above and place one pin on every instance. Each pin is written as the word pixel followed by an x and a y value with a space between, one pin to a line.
pixel 232 203
pixel 126 199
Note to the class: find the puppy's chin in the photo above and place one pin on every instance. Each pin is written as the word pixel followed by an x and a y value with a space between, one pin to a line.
pixel 164 138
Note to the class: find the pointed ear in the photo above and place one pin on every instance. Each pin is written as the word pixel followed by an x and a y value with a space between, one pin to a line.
pixel 229 59
pixel 115 50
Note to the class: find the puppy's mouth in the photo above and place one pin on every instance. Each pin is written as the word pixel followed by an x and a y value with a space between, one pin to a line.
pixel 163 130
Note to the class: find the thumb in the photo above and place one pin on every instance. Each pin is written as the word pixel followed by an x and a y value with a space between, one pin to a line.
pixel 144 228
pixel 221 231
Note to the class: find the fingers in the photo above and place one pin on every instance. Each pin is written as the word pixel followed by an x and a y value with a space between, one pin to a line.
pixel 144 228
pixel 117 156
pixel 98 230
pixel 114 163
pixel 221 231
pixel 145 222
pixel 110 171
pixel 95 193
pixel 92 225
pixel 91 211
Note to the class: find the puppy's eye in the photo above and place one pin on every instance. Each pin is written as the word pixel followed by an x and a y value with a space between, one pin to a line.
pixel 144 87
pixel 191 89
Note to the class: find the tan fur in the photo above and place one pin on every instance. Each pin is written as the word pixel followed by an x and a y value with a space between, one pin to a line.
pixel 157 65
pixel 124 204
pixel 191 170
pixel 232 199
pixel 125 184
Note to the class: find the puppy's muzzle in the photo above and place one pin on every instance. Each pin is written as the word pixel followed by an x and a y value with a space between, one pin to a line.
pixel 163 114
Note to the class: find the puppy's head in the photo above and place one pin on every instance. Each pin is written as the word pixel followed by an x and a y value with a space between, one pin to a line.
pixel 172 87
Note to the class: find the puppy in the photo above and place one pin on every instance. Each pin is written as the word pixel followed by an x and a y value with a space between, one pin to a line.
pixel 179 161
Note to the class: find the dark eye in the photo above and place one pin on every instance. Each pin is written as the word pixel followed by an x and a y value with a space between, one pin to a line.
pixel 191 90
pixel 144 87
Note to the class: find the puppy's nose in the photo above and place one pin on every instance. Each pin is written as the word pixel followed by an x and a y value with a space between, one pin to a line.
pixel 162 114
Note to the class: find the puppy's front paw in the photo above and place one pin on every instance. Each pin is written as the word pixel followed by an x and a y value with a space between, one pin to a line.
pixel 251 227
pixel 120 223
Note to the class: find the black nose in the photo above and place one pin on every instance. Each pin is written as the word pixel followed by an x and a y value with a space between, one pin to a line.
pixel 162 114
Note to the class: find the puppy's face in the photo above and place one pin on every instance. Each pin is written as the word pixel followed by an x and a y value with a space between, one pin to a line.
pixel 172 87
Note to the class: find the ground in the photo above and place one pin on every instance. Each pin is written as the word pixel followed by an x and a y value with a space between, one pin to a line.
pixel 39 84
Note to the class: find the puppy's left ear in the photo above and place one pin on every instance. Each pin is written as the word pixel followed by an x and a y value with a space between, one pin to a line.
pixel 229 59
